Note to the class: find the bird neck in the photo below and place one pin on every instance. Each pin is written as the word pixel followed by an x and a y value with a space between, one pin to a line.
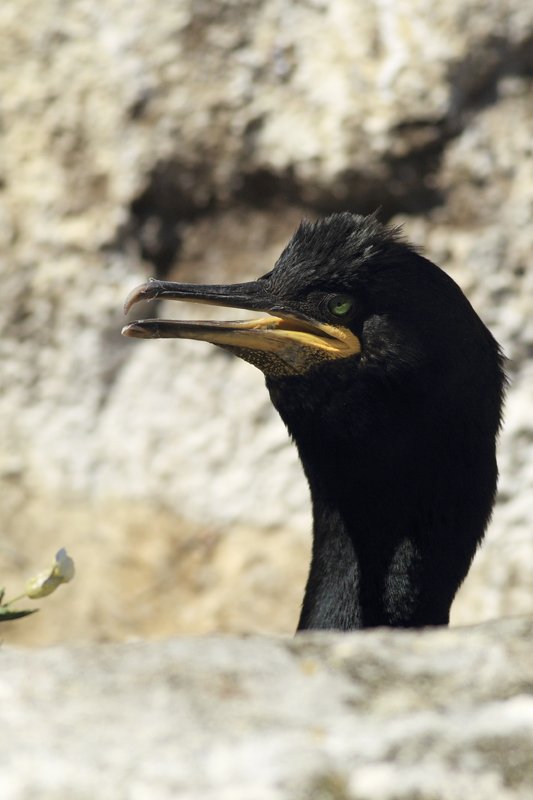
pixel 397 510
pixel 367 572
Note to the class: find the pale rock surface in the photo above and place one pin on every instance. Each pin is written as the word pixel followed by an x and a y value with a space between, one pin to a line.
pixel 383 715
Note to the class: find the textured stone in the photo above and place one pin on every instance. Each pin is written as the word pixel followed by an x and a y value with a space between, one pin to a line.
pixel 439 715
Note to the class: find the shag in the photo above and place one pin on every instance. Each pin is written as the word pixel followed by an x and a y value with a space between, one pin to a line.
pixel 392 388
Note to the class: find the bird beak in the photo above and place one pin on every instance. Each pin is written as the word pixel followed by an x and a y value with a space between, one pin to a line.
pixel 287 338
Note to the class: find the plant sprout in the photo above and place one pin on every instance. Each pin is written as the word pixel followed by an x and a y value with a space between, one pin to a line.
pixel 41 585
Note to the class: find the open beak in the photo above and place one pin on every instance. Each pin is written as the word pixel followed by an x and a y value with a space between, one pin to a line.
pixel 287 338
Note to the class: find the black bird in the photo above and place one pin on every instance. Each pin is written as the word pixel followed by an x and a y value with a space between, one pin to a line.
pixel 392 388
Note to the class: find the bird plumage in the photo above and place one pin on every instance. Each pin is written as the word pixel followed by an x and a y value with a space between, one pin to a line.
pixel 392 388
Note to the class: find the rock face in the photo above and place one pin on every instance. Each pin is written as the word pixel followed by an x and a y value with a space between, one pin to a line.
pixel 189 143
pixel 383 715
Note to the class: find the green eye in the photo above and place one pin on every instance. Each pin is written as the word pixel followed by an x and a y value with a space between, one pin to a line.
pixel 340 305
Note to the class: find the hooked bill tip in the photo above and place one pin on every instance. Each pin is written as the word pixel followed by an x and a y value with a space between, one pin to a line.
pixel 146 291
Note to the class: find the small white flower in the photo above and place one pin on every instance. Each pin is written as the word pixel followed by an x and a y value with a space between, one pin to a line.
pixel 46 582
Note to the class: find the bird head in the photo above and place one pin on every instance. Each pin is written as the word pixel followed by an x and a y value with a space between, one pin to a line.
pixel 348 307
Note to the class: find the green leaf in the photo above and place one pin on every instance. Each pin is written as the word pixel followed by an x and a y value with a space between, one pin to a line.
pixel 6 614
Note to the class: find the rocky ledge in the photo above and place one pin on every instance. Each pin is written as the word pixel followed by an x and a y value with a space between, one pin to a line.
pixel 377 715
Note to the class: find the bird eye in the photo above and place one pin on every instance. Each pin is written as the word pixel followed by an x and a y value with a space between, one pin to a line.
pixel 340 305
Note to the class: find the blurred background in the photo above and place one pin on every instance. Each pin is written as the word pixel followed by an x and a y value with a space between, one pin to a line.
pixel 186 139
